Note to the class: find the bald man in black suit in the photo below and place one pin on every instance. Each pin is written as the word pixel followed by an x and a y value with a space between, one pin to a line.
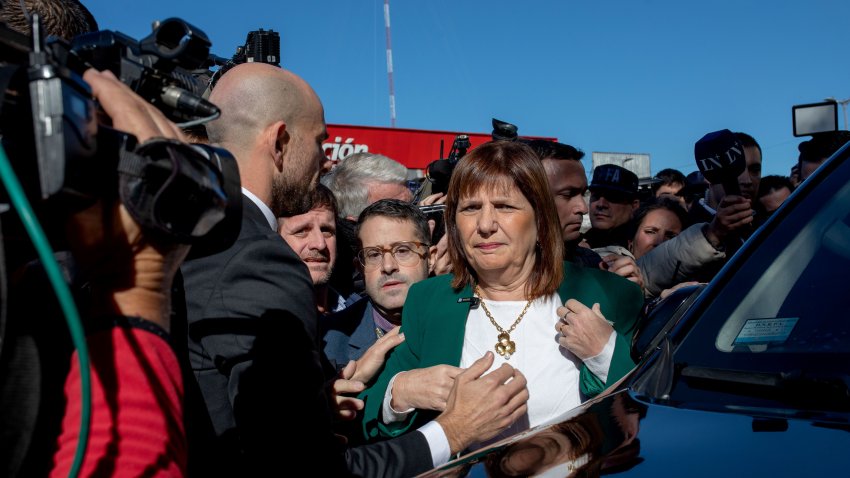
pixel 252 321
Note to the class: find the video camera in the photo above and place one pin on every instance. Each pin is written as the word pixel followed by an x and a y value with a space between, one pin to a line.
pixel 65 160
pixel 439 172
pixel 261 46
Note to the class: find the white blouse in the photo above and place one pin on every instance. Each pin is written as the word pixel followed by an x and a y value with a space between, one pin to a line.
pixel 551 370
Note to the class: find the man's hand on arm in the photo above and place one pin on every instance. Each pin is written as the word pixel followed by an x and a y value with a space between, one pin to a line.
pixel 373 360
pixel 480 406
pixel 354 377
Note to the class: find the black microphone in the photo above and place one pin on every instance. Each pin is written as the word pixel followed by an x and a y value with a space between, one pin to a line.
pixel 473 301
pixel 720 158
pixel 186 102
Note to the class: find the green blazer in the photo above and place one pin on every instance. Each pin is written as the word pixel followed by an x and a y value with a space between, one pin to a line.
pixel 434 323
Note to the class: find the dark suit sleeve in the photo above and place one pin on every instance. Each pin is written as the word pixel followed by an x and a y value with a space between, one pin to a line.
pixel 401 456
pixel 253 315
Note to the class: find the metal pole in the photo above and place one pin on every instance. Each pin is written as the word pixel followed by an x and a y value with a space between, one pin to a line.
pixel 389 62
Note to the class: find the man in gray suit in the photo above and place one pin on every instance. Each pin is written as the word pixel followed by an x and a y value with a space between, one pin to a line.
pixel 252 331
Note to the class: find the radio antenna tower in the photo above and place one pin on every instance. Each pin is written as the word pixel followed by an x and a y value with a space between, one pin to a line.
pixel 389 62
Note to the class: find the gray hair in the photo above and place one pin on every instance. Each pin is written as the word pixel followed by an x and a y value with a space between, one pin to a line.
pixel 351 180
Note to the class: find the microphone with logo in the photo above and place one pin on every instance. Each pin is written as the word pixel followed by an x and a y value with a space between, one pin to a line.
pixel 720 158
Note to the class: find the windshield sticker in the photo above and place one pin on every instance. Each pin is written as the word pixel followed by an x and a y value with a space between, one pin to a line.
pixel 765 331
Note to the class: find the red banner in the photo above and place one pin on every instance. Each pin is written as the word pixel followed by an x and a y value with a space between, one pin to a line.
pixel 415 148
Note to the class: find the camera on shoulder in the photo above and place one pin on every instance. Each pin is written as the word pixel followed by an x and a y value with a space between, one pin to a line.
pixel 65 160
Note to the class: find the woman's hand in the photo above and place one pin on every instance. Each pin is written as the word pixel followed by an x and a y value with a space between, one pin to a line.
pixel 424 388
pixel 584 331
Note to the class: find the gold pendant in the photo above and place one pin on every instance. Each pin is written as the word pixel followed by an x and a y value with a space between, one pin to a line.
pixel 505 346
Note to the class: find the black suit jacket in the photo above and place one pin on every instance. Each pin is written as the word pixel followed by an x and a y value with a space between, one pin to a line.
pixel 253 349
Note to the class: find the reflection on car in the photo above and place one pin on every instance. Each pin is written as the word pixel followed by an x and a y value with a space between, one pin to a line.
pixel 749 376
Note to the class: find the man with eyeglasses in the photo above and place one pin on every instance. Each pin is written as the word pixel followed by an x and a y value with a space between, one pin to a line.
pixel 394 253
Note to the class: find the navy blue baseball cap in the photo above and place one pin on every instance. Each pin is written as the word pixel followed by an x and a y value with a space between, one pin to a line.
pixel 616 179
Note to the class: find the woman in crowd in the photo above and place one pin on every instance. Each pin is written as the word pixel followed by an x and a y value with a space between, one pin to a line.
pixel 656 222
pixel 567 329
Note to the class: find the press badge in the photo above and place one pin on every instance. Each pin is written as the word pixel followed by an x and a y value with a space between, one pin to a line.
pixel 765 331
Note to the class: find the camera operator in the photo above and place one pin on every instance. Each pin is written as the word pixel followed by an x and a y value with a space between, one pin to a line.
pixel 130 281
pixel 124 279
pixel 137 390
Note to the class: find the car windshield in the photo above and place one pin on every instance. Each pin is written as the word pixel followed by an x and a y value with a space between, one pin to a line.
pixel 783 316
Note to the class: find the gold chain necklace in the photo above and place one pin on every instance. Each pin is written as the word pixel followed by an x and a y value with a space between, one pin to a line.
pixel 504 345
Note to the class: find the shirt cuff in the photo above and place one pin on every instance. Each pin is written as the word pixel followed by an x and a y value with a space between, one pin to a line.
pixel 600 364
pixel 438 443
pixel 389 414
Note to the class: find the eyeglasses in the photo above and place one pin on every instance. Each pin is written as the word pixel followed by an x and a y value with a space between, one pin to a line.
pixel 404 253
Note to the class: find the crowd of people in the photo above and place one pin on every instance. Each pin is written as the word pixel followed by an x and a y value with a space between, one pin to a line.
pixel 337 324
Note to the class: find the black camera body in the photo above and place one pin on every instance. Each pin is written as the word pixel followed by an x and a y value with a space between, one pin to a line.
pixel 159 67
pixel 65 160
pixel 439 172
pixel 261 46
pixel 436 213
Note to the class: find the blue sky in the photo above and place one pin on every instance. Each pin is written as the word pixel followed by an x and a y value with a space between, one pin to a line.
pixel 639 76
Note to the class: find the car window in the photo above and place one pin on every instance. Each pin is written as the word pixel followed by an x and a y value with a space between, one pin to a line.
pixel 801 300
pixel 788 304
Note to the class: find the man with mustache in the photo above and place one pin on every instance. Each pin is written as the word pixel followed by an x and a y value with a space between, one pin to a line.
pixel 312 236
pixel 394 253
